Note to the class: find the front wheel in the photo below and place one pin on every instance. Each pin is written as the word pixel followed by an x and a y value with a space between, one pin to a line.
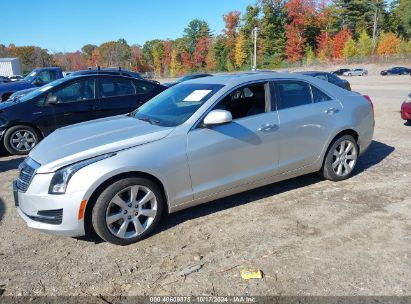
pixel 341 159
pixel 20 140
pixel 128 210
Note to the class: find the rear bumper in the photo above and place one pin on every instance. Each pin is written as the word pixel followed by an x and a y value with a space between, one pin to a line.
pixel 406 111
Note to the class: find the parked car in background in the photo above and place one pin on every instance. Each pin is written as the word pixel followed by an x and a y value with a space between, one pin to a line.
pixel 396 71
pixel 406 109
pixel 106 71
pixel 196 142
pixel 26 120
pixel 17 95
pixel 356 72
pixel 186 78
pixel 16 77
pixel 331 78
pixel 340 71
pixel 37 78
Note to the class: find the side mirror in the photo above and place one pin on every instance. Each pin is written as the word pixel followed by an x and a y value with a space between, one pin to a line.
pixel 51 99
pixel 217 117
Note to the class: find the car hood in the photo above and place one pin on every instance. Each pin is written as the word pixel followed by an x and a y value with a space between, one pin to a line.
pixel 15 86
pixel 86 140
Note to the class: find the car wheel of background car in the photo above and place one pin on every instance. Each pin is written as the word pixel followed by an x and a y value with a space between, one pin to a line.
pixel 341 159
pixel 128 210
pixel 20 140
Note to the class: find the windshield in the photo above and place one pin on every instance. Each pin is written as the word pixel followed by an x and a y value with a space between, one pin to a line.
pixel 175 105
pixel 41 90
pixel 30 77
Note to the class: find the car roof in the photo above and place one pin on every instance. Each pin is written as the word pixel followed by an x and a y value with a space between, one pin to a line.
pixel 241 78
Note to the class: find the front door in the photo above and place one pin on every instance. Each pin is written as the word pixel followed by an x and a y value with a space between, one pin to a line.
pixel 243 151
pixel 72 104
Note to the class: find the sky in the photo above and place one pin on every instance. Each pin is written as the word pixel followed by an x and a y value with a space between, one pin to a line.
pixel 68 25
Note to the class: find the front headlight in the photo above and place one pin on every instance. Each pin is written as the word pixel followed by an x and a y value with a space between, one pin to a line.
pixel 62 177
pixel 408 100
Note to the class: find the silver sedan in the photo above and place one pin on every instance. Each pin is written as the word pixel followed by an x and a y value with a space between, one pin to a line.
pixel 198 141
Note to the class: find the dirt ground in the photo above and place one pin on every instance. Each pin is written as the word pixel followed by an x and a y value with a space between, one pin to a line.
pixel 307 235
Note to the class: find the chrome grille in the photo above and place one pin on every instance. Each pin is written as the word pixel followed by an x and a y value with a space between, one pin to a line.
pixel 27 170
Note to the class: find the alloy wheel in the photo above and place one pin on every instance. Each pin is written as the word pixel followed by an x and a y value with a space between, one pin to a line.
pixel 23 140
pixel 131 211
pixel 344 158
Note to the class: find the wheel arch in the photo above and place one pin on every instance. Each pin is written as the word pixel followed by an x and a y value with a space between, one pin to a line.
pixel 97 191
pixel 347 131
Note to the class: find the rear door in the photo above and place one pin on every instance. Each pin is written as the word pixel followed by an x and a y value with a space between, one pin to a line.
pixel 306 117
pixel 118 95
pixel 75 102
pixel 245 150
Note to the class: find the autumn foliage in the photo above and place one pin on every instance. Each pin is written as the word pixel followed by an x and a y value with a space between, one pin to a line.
pixel 389 44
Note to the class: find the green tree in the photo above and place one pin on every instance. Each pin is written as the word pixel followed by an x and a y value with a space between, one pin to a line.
pixel 158 55
pixel 272 30
pixel 249 22
pixel 309 55
pixel 364 44
pixel 196 30
pixel 350 49
pixel 88 50
pixel 220 52
pixel 147 51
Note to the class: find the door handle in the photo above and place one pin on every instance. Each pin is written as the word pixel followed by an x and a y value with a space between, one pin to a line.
pixel 268 127
pixel 331 111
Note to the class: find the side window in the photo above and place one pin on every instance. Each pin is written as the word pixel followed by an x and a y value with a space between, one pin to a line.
pixel 112 87
pixel 47 76
pixel 293 94
pixel 76 91
pixel 245 101
pixel 333 79
pixel 318 95
pixel 143 87
pixel 322 77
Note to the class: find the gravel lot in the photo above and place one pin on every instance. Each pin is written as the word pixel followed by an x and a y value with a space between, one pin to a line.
pixel 307 235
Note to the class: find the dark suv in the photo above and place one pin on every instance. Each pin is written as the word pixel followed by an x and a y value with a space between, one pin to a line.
pixel 25 121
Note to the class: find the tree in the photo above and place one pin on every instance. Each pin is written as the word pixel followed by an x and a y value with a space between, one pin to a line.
pixel 300 14
pixel 357 15
pixel 196 30
pixel 201 51
pixel 350 49
pixel 88 50
pixel 230 31
pixel 240 54
pixel 339 41
pixel 272 31
pixel 389 44
pixel 249 22
pixel 221 53
pixel 309 55
pixel 324 46
pixel 364 44
pixel 158 53
pixel 147 51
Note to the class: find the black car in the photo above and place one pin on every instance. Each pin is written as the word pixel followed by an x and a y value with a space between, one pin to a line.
pixel 396 71
pixel 187 77
pixel 25 121
pixel 342 83
pixel 340 71
pixel 107 71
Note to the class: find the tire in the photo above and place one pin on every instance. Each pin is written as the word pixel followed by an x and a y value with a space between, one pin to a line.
pixel 336 160
pixel 21 139
pixel 117 221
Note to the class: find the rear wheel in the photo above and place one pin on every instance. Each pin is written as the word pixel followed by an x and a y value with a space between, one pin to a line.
pixel 128 210
pixel 20 140
pixel 341 159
